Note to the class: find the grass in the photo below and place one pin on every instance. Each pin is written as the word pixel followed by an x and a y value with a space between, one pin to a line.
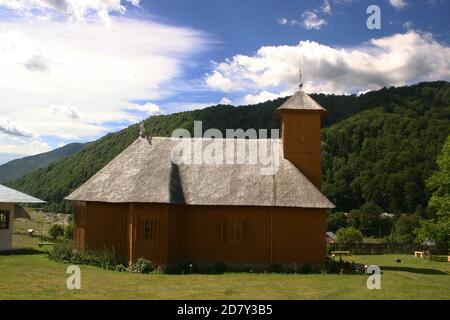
pixel 32 276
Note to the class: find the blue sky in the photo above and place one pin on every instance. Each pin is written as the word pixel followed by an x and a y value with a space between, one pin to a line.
pixel 73 70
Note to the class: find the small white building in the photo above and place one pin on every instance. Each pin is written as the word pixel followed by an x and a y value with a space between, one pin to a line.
pixel 386 215
pixel 9 208
pixel 330 237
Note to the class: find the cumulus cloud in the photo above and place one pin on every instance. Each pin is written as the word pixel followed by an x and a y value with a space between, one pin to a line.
pixel 394 60
pixel 11 128
pixel 149 108
pixel 220 80
pixel 260 97
pixel 398 4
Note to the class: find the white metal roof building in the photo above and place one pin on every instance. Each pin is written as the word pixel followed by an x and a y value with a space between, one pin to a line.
pixel 9 198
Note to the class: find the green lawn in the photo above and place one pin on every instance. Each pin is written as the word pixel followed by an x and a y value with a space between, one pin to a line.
pixel 30 275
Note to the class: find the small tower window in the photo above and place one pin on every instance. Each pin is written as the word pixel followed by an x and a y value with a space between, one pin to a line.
pixel 4 219
pixel 150 230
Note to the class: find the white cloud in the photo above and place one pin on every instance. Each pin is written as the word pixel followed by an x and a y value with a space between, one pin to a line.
pixel 67 110
pixel 174 107
pixel 13 129
pixel 266 96
pixel 312 21
pixel 394 60
pixel 326 7
pixel 408 25
pixel 21 147
pixel 149 108
pixel 37 62
pixel 77 11
pixel 398 4
pixel 62 81
pixel 260 97
pixel 283 21
pixel 225 101
pixel 219 80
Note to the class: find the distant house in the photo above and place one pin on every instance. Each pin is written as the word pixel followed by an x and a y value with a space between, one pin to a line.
pixel 145 205
pixel 330 237
pixel 386 215
pixel 9 209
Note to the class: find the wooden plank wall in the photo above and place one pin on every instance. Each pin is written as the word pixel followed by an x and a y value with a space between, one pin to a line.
pixel 196 233
pixel 298 235
pixel 79 223
pixel 106 226
pixel 301 142
pixel 158 251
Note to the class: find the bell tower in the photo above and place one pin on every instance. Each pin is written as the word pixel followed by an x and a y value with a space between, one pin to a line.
pixel 300 134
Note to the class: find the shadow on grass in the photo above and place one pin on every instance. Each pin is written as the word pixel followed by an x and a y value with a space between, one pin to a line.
pixel 413 270
pixel 21 252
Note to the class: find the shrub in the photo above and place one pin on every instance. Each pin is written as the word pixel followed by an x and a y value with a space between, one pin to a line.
pixel 182 268
pixel 105 258
pixel 219 267
pixel 61 251
pixel 141 266
pixel 349 235
pixel 174 269
pixel 120 268
pixel 68 233
pixel 56 231
pixel 276 268
pixel 342 267
pixel 305 269
pixel 190 267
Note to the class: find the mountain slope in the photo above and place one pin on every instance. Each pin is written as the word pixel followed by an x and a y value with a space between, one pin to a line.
pixel 351 134
pixel 384 155
pixel 17 168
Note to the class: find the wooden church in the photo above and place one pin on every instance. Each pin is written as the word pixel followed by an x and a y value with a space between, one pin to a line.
pixel 144 205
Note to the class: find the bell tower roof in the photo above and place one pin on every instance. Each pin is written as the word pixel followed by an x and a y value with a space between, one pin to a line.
pixel 300 101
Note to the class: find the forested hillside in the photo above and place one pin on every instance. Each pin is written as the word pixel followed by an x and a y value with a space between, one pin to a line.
pixel 380 146
pixel 17 168
pixel 384 155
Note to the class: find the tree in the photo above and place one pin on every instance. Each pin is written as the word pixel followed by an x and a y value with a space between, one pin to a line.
pixel 349 235
pixel 439 183
pixel 369 219
pixel 404 229
pixel 438 228
pixel 438 231
pixel 336 221
pixel 68 233
pixel 56 231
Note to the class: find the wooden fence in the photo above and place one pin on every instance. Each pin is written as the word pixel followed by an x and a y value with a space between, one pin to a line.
pixel 377 248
